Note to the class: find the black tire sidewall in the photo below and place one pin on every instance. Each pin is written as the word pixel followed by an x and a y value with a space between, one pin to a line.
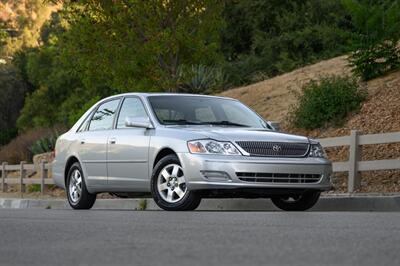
pixel 86 200
pixel 307 201
pixel 189 202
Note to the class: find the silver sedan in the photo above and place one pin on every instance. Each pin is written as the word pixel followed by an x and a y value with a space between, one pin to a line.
pixel 182 148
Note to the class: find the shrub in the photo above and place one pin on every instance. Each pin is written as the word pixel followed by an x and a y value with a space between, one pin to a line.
pixel 33 188
pixel 376 24
pixel 43 145
pixel 374 61
pixel 200 79
pixel 328 100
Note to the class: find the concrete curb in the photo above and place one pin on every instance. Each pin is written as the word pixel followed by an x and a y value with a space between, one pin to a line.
pixel 326 203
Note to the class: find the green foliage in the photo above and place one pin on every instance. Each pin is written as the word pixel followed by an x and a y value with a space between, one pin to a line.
pixel 33 188
pixel 143 46
pixel 327 101
pixel 3 37
pixel 44 145
pixel 142 205
pixel 200 79
pixel 12 91
pixel 89 52
pixel 376 49
pixel 6 135
pixel 267 38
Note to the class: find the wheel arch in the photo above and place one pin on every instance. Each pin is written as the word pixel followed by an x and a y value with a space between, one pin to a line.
pixel 162 153
pixel 71 160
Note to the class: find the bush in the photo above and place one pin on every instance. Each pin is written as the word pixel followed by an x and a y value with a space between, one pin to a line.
pixel 374 61
pixel 375 48
pixel 43 145
pixel 200 79
pixel 326 101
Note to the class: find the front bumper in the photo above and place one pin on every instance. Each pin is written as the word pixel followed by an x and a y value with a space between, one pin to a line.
pixel 220 172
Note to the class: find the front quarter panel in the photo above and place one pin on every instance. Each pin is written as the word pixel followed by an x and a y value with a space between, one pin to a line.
pixel 170 138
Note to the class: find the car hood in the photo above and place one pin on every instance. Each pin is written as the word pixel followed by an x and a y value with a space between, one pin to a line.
pixel 243 134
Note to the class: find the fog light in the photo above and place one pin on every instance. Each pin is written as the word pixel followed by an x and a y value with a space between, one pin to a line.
pixel 216 175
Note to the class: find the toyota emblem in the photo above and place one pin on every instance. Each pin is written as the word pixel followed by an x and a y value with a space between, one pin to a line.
pixel 276 148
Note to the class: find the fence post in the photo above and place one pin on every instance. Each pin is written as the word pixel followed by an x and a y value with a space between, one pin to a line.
pixel 22 176
pixel 43 176
pixel 3 177
pixel 354 156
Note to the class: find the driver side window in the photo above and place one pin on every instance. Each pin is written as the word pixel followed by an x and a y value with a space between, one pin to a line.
pixel 131 107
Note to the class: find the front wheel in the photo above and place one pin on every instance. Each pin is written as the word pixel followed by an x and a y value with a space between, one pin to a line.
pixel 300 202
pixel 77 194
pixel 168 186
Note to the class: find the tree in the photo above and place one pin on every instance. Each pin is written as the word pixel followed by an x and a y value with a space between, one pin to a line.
pixel 377 24
pixel 12 91
pixel 139 45
pixel 91 49
pixel 267 38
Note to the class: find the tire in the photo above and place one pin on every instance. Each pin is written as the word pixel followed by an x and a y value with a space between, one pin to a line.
pixel 300 202
pixel 83 200
pixel 168 186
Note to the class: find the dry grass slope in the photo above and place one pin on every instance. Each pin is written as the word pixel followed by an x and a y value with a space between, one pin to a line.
pixel 273 97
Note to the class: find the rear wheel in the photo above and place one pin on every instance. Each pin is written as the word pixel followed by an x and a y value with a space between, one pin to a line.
pixel 77 194
pixel 168 186
pixel 300 202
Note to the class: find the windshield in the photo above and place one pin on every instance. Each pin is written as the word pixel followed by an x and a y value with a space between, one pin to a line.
pixel 195 110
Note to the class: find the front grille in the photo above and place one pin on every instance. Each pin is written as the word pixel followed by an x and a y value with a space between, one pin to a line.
pixel 278 177
pixel 274 149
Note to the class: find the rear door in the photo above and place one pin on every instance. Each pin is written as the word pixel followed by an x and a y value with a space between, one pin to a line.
pixel 128 150
pixel 93 143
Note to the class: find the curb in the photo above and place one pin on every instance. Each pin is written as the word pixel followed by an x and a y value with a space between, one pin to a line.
pixel 326 203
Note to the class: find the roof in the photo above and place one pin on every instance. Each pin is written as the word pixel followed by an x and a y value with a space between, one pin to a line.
pixel 147 94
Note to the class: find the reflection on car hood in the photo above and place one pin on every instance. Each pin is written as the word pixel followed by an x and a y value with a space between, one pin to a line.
pixel 242 134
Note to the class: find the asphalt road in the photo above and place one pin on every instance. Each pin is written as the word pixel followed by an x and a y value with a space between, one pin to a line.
pixel 108 237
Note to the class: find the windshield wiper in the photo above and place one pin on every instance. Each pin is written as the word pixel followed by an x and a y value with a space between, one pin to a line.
pixel 180 122
pixel 224 123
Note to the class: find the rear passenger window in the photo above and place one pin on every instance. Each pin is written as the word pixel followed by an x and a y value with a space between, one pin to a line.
pixel 104 116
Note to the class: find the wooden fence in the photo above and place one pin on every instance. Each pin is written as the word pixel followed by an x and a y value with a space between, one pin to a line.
pixel 23 178
pixel 353 166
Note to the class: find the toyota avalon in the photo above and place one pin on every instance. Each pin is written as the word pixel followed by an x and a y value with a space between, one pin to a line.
pixel 181 148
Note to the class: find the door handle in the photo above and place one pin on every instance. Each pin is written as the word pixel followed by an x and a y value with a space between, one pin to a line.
pixel 82 141
pixel 112 141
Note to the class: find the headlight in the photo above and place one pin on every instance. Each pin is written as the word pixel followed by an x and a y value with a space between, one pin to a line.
pixel 316 150
pixel 212 147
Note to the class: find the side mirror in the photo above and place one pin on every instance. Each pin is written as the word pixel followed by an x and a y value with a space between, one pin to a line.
pixel 142 122
pixel 275 125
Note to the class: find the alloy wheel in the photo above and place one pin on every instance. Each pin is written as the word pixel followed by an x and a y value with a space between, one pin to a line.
pixel 171 183
pixel 75 186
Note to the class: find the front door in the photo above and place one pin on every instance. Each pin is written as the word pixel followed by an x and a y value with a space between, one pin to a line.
pixel 128 150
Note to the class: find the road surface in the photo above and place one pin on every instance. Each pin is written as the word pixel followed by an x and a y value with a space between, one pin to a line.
pixel 123 237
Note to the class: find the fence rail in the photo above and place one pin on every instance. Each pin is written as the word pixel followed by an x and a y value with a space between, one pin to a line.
pixel 353 166
pixel 23 179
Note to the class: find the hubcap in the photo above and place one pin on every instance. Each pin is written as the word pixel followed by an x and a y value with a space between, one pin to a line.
pixel 171 183
pixel 75 185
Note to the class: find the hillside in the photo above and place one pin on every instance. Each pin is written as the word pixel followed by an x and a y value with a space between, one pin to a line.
pixel 380 113
pixel 273 97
